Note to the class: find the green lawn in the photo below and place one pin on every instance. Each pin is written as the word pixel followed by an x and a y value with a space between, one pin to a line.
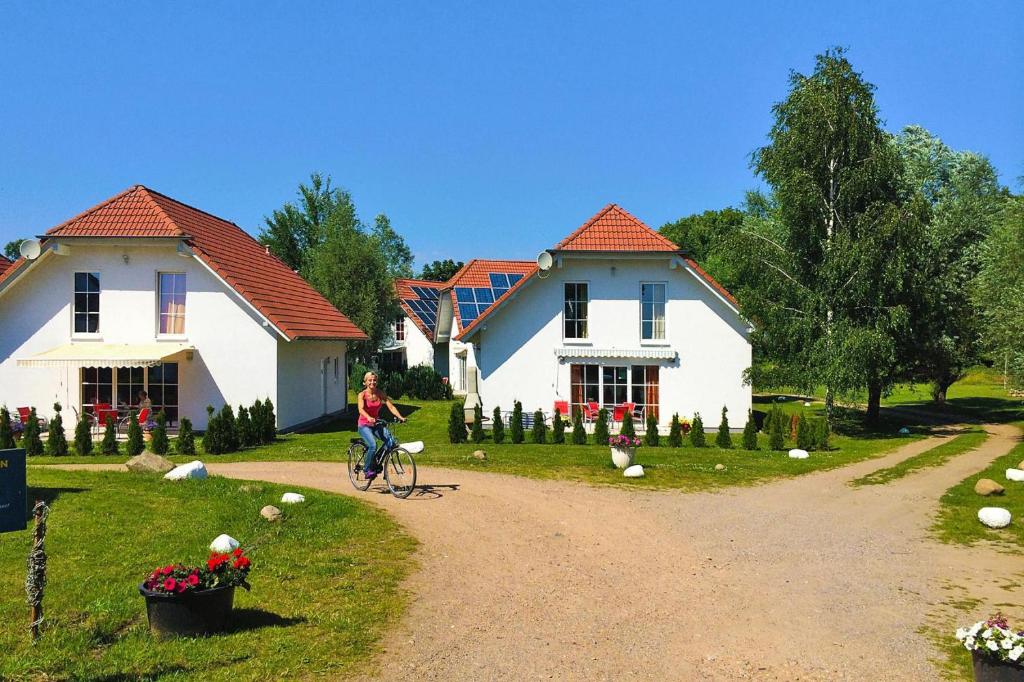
pixel 324 580
pixel 958 514
pixel 936 456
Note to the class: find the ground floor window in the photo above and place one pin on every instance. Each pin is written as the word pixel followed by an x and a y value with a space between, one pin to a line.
pixel 462 374
pixel 393 361
pixel 613 385
pixel 101 384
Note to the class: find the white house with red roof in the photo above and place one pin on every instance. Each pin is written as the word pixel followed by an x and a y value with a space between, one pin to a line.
pixel 143 292
pixel 618 315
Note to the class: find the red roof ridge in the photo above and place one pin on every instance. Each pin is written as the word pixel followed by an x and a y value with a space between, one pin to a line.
pixel 421 282
pixel 593 219
pixel 469 266
pixel 105 202
pixel 623 232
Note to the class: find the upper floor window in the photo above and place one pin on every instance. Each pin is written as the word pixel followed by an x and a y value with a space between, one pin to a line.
pixel 87 302
pixel 577 298
pixel 400 328
pixel 171 293
pixel 652 311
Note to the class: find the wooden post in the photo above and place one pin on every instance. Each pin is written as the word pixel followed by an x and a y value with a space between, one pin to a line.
pixel 35 582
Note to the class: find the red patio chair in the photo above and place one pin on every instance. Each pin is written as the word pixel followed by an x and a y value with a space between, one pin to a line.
pixel 562 407
pixel 104 410
pixel 143 416
pixel 25 413
pixel 595 407
pixel 617 412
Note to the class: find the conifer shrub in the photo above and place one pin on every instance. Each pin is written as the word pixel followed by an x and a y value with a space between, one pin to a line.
pixel 393 385
pixel 697 437
pixel 109 444
pixel 750 432
pixel 477 433
pixel 627 428
pixel 557 429
pixel 186 443
pixel 457 423
pixel 229 429
pixel 257 417
pixel 651 436
pixel 159 445
pixel 135 444
pixel 776 432
pixel 724 438
pixel 579 434
pixel 601 434
pixel 57 440
pixel 6 432
pixel 498 427
pixel 516 427
pixel 30 439
pixel 805 434
pixel 675 432
pixel 821 434
pixel 212 443
pixel 83 436
pixel 269 431
pixel 246 429
pixel 540 429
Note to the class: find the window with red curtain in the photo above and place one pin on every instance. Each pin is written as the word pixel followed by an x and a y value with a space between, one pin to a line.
pixel 645 388
pixel 584 386
pixel 172 302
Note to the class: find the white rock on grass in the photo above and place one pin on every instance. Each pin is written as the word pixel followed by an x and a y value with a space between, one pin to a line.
pixel 194 469
pixel 904 431
pixel 635 471
pixel 293 498
pixel 1014 475
pixel 994 517
pixel 224 544
pixel 797 453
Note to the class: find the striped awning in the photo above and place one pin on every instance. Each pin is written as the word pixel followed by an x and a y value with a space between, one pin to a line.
pixel 600 353
pixel 75 355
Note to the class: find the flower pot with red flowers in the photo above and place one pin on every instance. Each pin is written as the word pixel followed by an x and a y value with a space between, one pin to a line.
pixel 184 601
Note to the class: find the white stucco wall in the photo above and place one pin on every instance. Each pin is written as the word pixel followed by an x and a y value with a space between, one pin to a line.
pixel 311 380
pixel 418 348
pixel 516 350
pixel 235 355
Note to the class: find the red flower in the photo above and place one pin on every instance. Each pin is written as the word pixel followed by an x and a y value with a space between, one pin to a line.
pixel 242 562
pixel 193 580
pixel 170 584
pixel 168 570
pixel 181 587
pixel 237 552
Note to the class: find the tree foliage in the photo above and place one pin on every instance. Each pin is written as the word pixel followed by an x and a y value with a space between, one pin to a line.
pixel 159 445
pixel 135 444
pixel 477 433
pixel 579 434
pixel 675 432
pixel 440 270
pixel 109 444
pixel 498 427
pixel 516 423
pixel 557 429
pixel 724 439
pixel 6 432
pixel 83 436
pixel 698 438
pixel 750 432
pixel 457 423
pixel 999 292
pixel 651 435
pixel 186 441
pixel 708 237
pixel 12 249
pixel 56 440
pixel 397 253
pixel 601 434
pixel 540 429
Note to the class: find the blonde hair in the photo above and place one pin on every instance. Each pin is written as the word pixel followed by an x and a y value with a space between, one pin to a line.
pixel 369 374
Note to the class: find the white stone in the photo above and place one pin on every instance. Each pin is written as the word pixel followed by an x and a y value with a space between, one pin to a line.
pixel 994 517
pixel 293 498
pixel 719 467
pixel 904 431
pixel 797 453
pixel 635 471
pixel 807 403
pixel 194 469
pixel 224 544
pixel 1014 475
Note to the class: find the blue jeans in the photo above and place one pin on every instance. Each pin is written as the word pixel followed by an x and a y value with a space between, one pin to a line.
pixel 369 434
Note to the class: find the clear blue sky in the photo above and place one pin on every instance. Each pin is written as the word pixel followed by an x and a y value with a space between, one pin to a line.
pixel 481 131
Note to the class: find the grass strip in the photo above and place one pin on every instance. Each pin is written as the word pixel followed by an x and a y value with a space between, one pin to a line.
pixel 937 456
pixel 325 580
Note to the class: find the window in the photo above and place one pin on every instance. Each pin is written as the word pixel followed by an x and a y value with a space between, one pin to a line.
pixel 97 387
pixel 615 382
pixel 575 316
pixel 585 386
pixel 87 302
pixel 172 302
pixel 400 328
pixel 335 370
pixel 462 373
pixel 130 380
pixel 644 390
pixel 163 390
pixel 652 311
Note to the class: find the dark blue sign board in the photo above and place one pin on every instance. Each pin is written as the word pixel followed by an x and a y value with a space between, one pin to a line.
pixel 13 493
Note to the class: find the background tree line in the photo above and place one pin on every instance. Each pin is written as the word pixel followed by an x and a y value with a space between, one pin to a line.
pixel 871 258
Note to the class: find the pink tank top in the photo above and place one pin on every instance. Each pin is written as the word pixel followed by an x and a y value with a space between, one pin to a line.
pixel 372 409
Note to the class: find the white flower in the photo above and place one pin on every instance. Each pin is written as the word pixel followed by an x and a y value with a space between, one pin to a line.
pixel 969 644
pixel 961 634
pixel 1016 652
pixel 987 633
pixel 991 644
pixel 1007 643
pixel 975 629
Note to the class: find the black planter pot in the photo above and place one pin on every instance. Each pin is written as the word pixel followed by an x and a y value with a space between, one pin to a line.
pixel 988 669
pixel 192 614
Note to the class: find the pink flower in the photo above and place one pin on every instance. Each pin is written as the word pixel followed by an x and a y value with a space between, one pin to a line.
pixel 170 584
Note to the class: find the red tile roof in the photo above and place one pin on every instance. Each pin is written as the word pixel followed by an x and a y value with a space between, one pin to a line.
pixel 5 263
pixel 475 274
pixel 277 292
pixel 615 229
pixel 403 289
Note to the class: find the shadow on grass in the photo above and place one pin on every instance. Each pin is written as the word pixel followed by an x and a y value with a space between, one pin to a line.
pixel 244 620
pixel 152 674
pixel 347 421
pixel 47 495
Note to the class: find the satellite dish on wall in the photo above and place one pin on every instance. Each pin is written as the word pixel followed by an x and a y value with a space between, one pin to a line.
pixel 30 249
pixel 544 260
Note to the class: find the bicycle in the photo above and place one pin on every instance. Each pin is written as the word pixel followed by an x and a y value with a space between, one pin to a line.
pixel 395 462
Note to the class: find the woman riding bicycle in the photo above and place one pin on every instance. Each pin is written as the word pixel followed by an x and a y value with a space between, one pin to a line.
pixel 369 425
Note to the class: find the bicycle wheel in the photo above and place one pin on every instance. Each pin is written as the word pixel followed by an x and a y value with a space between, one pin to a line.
pixel 356 457
pixel 400 473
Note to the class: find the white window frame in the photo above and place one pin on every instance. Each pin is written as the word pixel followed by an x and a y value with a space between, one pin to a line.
pixel 98 334
pixel 576 339
pixel 653 341
pixel 400 329
pixel 160 335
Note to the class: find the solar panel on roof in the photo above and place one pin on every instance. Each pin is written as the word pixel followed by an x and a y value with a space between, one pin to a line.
pixel 498 293
pixel 468 312
pixel 512 279
pixel 499 280
pixel 464 295
pixel 483 295
pixel 425 293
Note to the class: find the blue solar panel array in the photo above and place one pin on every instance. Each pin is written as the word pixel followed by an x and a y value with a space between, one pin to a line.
pixel 425 307
pixel 473 301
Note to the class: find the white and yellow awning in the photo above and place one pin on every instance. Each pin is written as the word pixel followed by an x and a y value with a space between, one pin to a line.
pixel 586 352
pixel 75 355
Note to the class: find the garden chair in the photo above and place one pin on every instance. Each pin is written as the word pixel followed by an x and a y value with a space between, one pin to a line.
pixel 91 418
pixel 618 412
pixel 104 410
pixel 562 408
pixel 143 417
pixel 25 412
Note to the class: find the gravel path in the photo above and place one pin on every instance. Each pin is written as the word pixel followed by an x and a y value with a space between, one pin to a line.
pixel 805 578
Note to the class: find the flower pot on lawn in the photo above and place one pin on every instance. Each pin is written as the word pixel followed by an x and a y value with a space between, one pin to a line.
pixel 190 614
pixel 622 457
pixel 990 669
